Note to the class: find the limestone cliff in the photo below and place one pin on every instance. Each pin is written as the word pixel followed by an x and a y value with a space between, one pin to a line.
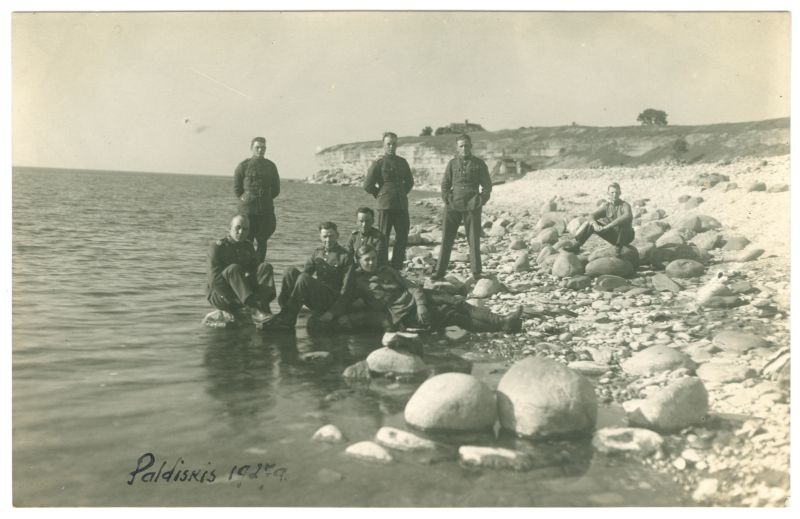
pixel 512 153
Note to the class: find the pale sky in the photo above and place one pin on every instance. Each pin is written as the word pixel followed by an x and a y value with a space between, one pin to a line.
pixel 185 92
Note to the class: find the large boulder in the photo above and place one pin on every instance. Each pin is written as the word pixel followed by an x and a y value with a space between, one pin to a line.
pixel 612 266
pixel 678 405
pixel 626 252
pixel 661 256
pixel 708 240
pixel 454 402
pixel 673 237
pixel 645 249
pixel 554 220
pixel 387 360
pixel 522 262
pixel 736 243
pixel 685 268
pixel 749 253
pixel 548 235
pixel 738 342
pixel 539 397
pixel 567 264
pixel 652 231
pixel 700 223
pixel 656 359
pixel 575 224
pixel 546 252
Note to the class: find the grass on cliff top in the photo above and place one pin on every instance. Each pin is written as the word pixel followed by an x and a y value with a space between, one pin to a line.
pixel 527 138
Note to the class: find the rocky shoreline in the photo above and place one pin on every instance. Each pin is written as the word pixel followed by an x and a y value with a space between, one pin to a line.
pixel 711 314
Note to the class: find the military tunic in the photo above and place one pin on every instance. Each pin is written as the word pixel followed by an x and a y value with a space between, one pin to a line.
pixel 389 180
pixel 618 220
pixel 372 237
pixel 234 274
pixel 466 188
pixel 256 183
pixel 318 285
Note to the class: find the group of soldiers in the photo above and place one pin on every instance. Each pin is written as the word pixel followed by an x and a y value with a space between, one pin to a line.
pixel 241 281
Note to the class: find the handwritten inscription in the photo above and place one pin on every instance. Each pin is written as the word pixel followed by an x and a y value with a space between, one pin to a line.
pixel 148 470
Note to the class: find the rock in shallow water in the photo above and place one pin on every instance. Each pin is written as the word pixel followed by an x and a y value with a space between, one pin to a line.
pixel 494 458
pixel 403 440
pixel 328 434
pixel 539 397
pixel 387 360
pixel 452 401
pixel 614 440
pixel 369 451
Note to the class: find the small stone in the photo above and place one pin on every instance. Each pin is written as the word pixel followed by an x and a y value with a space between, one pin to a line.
pixel 706 490
pixel 588 367
pixel 328 434
pixel 486 287
pixel 387 360
pixel 756 186
pixel 778 188
pixel 685 268
pixel 613 440
pixel 369 451
pixel 656 359
pixel 494 457
pixel 402 440
pixel 608 283
pixel 679 463
pixel 736 243
pixel 455 333
pixel 317 357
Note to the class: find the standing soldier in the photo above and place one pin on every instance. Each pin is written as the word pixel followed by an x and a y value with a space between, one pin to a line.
pixel 255 184
pixel 466 187
pixel 389 180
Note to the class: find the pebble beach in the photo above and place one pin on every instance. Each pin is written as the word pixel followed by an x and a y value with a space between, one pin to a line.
pixel 713 311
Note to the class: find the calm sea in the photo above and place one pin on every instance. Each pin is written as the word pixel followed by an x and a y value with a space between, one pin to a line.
pixel 112 368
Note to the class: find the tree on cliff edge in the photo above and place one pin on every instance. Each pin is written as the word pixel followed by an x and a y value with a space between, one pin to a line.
pixel 426 132
pixel 653 117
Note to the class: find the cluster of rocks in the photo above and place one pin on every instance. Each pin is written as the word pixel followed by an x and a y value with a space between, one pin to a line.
pixel 692 298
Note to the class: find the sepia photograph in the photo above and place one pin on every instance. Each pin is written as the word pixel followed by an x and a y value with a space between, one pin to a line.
pixel 482 256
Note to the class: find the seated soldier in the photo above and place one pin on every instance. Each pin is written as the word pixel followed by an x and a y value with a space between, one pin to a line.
pixel 366 233
pixel 237 282
pixel 406 305
pixel 329 263
pixel 613 221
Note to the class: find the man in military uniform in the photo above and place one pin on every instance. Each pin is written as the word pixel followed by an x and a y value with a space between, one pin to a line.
pixel 365 233
pixel 256 183
pixel 466 188
pixel 320 283
pixel 237 281
pixel 613 221
pixel 389 180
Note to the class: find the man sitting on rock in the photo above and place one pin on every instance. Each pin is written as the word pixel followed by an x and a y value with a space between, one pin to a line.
pixel 406 305
pixel 613 221
pixel 365 233
pixel 237 282
pixel 319 284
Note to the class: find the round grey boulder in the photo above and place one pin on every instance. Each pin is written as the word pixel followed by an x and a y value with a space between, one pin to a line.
pixel 678 405
pixel 539 397
pixel 685 268
pixel 612 266
pixel 453 402
pixel 626 252
pixel 548 235
pixel 567 264
pixel 736 243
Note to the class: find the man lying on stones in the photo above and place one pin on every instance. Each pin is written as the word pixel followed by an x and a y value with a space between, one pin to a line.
pixel 407 306
pixel 612 221
pixel 320 283
pixel 237 282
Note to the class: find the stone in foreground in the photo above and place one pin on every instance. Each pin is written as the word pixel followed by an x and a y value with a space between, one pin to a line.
pixel 402 440
pixel 387 360
pixel 452 402
pixel 678 405
pixel 539 397
pixel 494 458
pixel 685 268
pixel 612 266
pixel 328 434
pixel 620 440
pixel 369 451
